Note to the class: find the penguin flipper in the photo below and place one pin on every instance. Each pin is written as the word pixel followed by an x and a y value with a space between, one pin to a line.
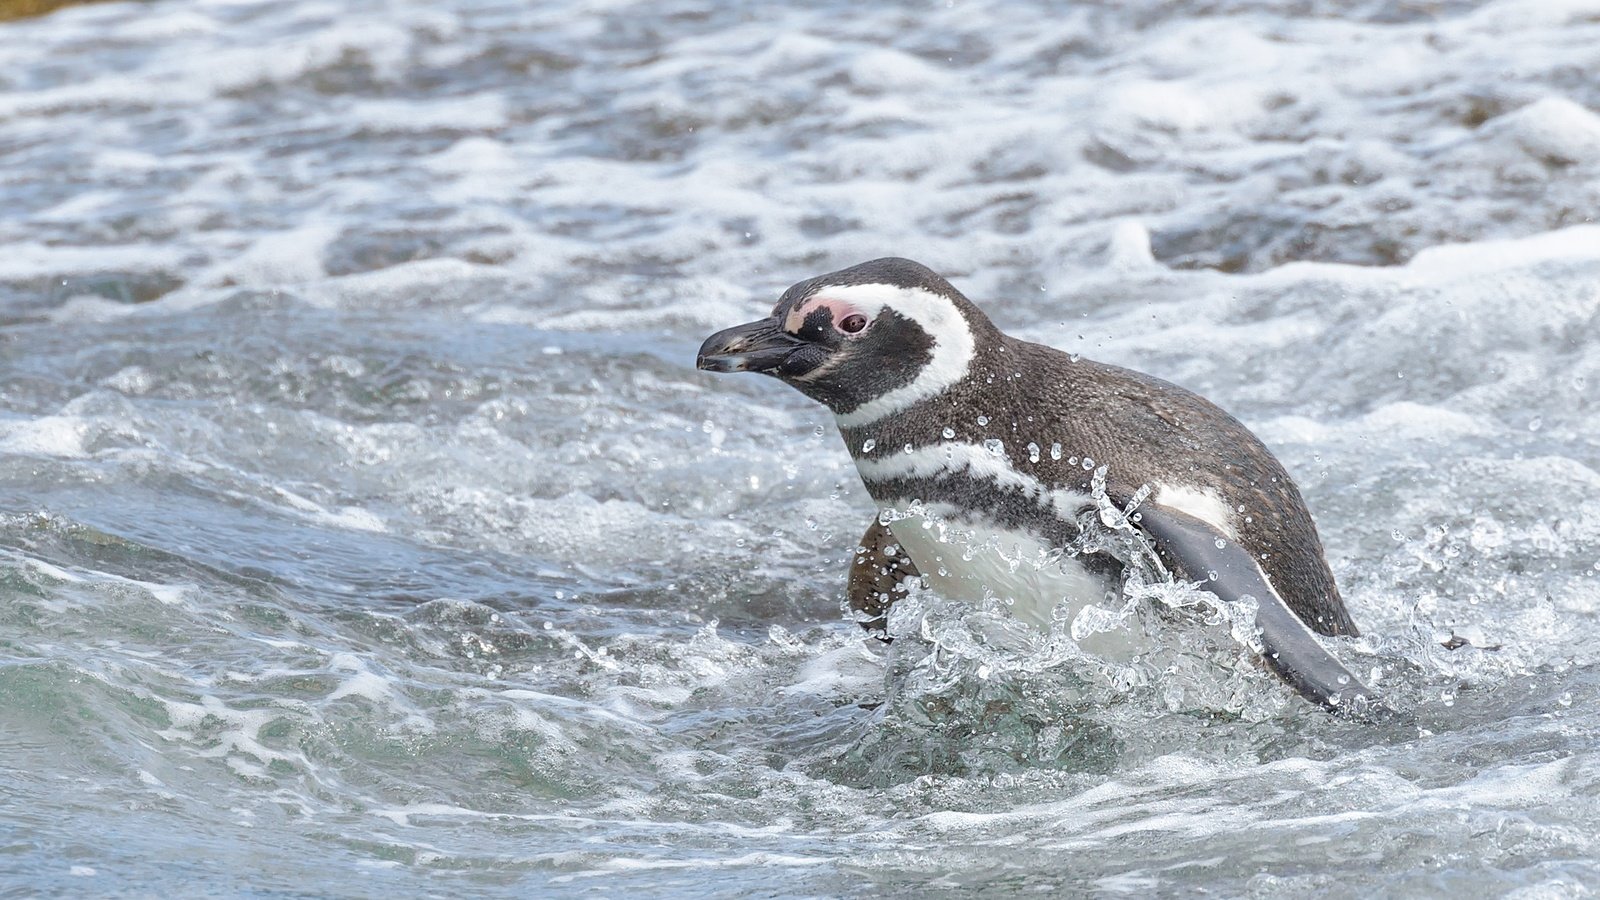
pixel 1198 551
pixel 877 576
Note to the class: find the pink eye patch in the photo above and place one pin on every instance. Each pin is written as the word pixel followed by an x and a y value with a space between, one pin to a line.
pixel 839 310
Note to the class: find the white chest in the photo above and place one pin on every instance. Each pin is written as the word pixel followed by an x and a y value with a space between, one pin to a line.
pixel 975 561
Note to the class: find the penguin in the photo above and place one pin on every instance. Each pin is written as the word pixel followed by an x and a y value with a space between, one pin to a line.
pixel 984 453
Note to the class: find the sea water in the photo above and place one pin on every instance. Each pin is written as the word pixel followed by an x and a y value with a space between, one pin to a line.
pixel 365 528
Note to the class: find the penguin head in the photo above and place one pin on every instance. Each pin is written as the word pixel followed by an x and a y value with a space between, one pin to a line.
pixel 864 341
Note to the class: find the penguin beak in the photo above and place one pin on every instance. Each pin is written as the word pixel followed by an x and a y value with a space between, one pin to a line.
pixel 754 347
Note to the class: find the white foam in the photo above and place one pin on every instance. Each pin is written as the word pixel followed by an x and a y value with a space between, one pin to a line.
pixel 368 685
pixel 1454 262
pixel 352 517
pixel 883 69
pixel 1556 130
pixel 280 258
pixel 55 572
pixel 1129 246
pixel 474 113
pixel 58 436
pixel 846 670
pixel 23 261
pixel 475 156
pixel 417 282
pixel 619 192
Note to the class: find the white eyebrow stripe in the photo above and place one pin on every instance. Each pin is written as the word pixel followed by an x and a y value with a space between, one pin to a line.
pixel 954 457
pixel 953 345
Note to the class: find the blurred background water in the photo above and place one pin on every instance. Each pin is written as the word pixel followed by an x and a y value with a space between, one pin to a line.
pixel 364 526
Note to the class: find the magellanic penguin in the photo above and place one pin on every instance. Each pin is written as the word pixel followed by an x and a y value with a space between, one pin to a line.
pixel 1003 440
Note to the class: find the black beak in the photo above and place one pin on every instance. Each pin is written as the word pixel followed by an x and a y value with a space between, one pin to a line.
pixel 754 347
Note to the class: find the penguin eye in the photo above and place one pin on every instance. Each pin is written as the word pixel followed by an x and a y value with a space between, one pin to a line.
pixel 853 323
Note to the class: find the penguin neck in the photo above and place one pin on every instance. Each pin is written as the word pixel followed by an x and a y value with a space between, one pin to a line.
pixel 983 407
pixel 988 425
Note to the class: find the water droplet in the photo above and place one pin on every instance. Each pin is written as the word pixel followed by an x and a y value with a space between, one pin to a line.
pixel 819 431
pixel 1565 699
pixel 1398 535
pixel 866 446
pixel 995 447
pixel 1536 423
pixel 1087 463
pixel 949 433
pixel 1221 543
pixel 1033 452
pixel 708 426
pixel 983 420
pixel 1055 451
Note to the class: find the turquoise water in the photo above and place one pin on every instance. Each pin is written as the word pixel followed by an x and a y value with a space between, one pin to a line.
pixel 365 528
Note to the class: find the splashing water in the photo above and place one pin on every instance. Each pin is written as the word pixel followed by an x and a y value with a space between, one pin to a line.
pixel 365 528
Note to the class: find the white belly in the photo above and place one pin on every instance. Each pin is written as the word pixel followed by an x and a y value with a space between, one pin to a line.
pixel 976 561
